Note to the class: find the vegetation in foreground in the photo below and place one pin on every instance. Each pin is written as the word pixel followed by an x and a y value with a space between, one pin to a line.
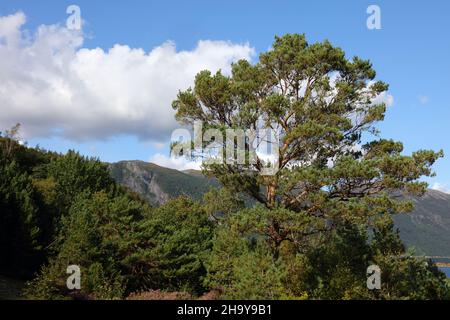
pixel 318 223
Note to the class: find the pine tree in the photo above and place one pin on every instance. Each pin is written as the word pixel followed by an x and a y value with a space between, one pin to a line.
pixel 335 181
pixel 325 108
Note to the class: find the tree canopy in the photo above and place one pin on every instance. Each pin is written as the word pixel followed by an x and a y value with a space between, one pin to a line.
pixel 332 164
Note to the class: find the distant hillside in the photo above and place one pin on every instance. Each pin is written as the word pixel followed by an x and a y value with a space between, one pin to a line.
pixel 427 228
pixel 158 184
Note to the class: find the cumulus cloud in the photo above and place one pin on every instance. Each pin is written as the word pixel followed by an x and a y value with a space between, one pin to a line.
pixel 180 163
pixel 54 86
pixel 443 187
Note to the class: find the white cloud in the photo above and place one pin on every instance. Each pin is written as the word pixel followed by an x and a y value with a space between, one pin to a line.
pixel 385 98
pixel 54 86
pixel 180 163
pixel 443 187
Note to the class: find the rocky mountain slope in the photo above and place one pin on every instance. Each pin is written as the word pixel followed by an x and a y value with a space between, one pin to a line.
pixel 427 228
pixel 158 184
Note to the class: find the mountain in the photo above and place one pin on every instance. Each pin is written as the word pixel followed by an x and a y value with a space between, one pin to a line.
pixel 427 228
pixel 158 184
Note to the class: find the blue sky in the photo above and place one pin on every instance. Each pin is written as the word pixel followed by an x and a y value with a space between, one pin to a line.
pixel 411 52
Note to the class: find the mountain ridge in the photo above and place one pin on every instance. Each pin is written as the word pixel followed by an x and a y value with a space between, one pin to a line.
pixel 159 184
